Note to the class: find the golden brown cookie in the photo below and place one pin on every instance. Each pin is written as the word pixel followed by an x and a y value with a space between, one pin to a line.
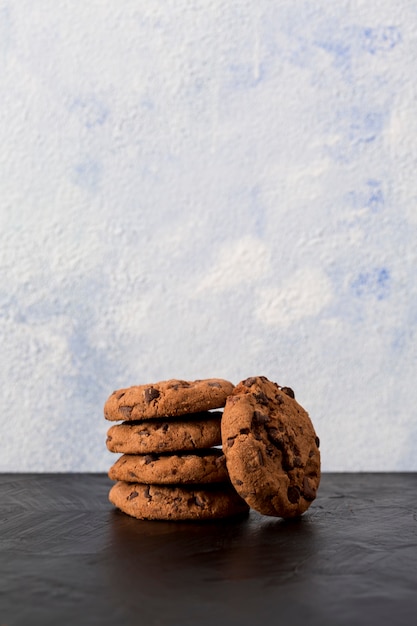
pixel 174 502
pixel 203 466
pixel 271 448
pixel 167 399
pixel 195 431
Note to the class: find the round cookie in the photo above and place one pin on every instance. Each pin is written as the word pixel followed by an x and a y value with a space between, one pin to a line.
pixel 205 466
pixel 271 448
pixel 167 399
pixel 200 430
pixel 166 502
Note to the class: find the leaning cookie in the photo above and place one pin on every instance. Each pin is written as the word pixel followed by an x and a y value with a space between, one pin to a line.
pixel 174 502
pixel 204 466
pixel 200 430
pixel 167 399
pixel 271 448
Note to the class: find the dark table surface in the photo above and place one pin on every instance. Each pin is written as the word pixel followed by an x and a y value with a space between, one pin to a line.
pixel 68 557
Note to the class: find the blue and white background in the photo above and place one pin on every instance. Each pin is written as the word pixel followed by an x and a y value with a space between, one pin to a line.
pixel 196 188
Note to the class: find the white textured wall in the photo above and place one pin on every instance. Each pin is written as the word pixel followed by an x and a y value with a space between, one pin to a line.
pixel 208 188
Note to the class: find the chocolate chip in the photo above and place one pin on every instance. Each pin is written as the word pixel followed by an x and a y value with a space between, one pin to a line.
pixel 132 475
pixel 308 491
pixel 283 444
pixel 261 398
pixel 218 385
pixel 260 458
pixel 238 482
pixel 109 438
pixel 278 398
pixel 317 442
pixel 288 391
pixel 149 458
pixel 230 441
pixel 146 493
pixel 260 418
pixel 249 382
pixel 151 394
pixel 270 450
pixel 118 394
pixel 132 495
pixel 199 502
pixel 126 411
pixel 165 427
pixel 144 433
pixel 293 494
pixel 273 433
pixel 193 501
pixel 298 462
pixel 244 431
pixel 174 472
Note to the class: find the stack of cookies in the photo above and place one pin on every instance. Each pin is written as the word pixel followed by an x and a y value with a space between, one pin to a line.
pixel 170 467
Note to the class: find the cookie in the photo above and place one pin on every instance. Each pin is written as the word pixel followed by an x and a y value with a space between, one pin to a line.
pixel 206 466
pixel 166 502
pixel 167 399
pixel 271 448
pixel 200 430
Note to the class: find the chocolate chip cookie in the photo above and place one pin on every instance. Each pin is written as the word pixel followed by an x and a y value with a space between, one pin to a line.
pixel 174 502
pixel 190 432
pixel 271 448
pixel 204 466
pixel 167 399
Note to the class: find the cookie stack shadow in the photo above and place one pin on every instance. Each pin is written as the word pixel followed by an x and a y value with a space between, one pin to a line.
pixel 170 467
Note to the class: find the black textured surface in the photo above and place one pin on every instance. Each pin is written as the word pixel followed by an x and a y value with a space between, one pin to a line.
pixel 67 557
